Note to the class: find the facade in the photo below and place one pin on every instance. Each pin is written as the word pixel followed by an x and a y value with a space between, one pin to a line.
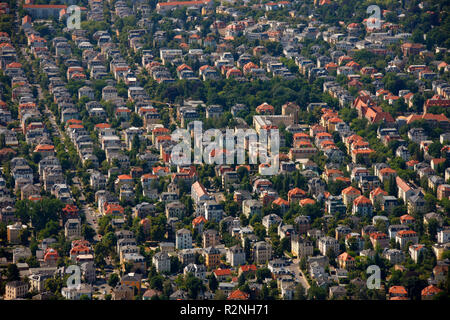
pixel 328 243
pixel 15 290
pixel 262 252
pixel 161 261
pixel 301 247
pixel 236 256
pixel 210 238
pixel 183 239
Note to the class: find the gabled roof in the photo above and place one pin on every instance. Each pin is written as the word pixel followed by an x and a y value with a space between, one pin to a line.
pixel 238 295
pixel 430 290
pixel 351 190
pixel 361 200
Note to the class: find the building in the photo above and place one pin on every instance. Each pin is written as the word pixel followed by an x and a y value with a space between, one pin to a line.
pixel 15 290
pixel 429 292
pixel 236 256
pixel 75 293
pixel 183 239
pixel 198 270
pixel 379 239
pixel 163 7
pixel 210 238
pixel 443 236
pixel 405 236
pixel 213 210
pixel 328 243
pixel 443 191
pixel 346 261
pixel 14 231
pixel 396 292
pixel 72 228
pixel 122 292
pixel 417 251
pixel 349 194
pixel 251 207
pixel 161 261
pixel 301 247
pixel 362 206
pixel 262 252
pixel 394 256
pixel 212 257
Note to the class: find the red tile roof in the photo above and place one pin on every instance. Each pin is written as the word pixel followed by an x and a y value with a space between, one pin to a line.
pixel 238 295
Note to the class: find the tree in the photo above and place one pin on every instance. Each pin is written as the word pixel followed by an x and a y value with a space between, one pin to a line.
pixel 241 280
pixel 113 280
pixel 262 274
pixel 331 254
pixel 213 283
pixel 303 263
pixel 12 272
pixel 193 285
pixel 299 293
pixel 87 232
pixel 175 265
pixel 317 293
pixel 157 282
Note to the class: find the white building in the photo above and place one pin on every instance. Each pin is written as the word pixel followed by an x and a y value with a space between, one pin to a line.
pixel 161 261
pixel 183 239
pixel 326 243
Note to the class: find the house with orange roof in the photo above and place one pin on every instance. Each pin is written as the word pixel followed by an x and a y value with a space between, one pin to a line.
pixel 160 131
pixel 409 48
pixel 248 67
pixel 161 171
pixel 198 223
pixel 416 251
pixel 51 257
pixel 238 295
pixel 283 204
pixel 247 269
pixel 147 179
pixel 45 150
pixel 233 73
pixel 397 292
pixel 435 162
pixel 300 136
pixel 114 209
pixel 404 189
pixel 361 154
pixel 349 194
pixel 122 180
pixel 307 201
pixel 70 211
pixel 377 196
pixel 404 236
pixel 362 206
pixel 443 191
pixel 379 239
pixel 222 274
pixel 295 195
pixel 346 261
pixel 77 250
pixel 429 292
pixel 265 108
pixel 386 173
pixel 331 174
pixel 407 219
